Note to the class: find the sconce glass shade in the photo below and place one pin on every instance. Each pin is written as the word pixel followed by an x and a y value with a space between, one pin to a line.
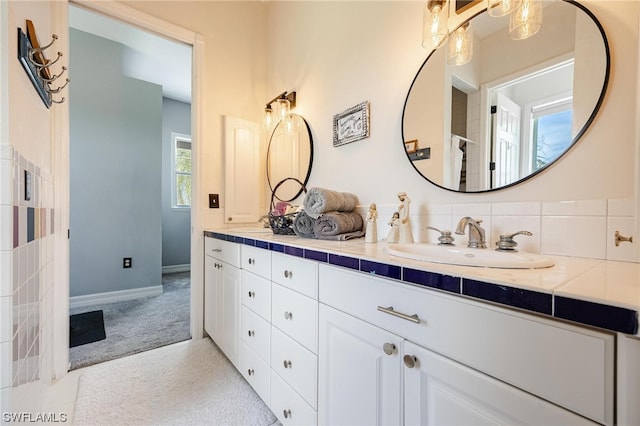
pixel 460 46
pixel 526 20
pixel 283 107
pixel 497 8
pixel 268 118
pixel 435 24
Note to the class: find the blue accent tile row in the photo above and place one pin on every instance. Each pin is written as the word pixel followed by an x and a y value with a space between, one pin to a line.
pixel 596 314
pixel 589 313
pixel 510 296
pixel 430 279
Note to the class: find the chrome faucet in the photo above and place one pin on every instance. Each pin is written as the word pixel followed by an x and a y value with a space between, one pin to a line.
pixel 476 232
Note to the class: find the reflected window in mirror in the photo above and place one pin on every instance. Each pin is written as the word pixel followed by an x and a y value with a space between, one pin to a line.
pixel 516 108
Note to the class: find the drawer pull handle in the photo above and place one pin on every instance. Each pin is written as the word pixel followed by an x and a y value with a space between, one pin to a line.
pixel 410 361
pixel 288 274
pixel 389 348
pixel 252 294
pixel 288 315
pixel 250 371
pixel 389 310
pixel 287 414
pixel 287 364
pixel 251 333
pixel 216 250
pixel 252 261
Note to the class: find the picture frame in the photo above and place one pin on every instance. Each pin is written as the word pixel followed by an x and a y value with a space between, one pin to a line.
pixel 351 125
pixel 411 146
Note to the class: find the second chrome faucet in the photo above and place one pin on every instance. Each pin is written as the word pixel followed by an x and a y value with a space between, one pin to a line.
pixel 476 232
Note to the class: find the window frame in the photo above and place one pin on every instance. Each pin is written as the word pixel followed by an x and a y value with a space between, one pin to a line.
pixel 175 139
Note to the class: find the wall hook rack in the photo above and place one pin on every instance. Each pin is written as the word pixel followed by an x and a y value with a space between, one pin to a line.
pixel 38 68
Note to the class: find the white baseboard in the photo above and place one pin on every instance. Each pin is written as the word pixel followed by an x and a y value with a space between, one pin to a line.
pixel 176 268
pixel 113 296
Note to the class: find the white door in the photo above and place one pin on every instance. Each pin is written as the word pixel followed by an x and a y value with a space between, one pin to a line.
pixel 242 186
pixel 439 391
pixel 506 139
pixel 358 383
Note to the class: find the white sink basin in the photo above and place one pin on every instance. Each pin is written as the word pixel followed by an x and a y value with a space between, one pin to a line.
pixel 463 256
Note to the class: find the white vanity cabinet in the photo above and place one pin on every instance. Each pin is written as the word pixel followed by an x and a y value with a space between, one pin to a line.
pixel 558 372
pixel 294 339
pixel 255 320
pixel 222 296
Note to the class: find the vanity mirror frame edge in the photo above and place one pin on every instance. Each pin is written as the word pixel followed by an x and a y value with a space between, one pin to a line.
pixel 576 138
pixel 306 178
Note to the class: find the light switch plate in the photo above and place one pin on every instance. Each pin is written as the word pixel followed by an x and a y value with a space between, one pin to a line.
pixel 214 201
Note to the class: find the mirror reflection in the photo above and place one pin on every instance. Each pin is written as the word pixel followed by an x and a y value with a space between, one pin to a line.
pixel 514 109
pixel 290 154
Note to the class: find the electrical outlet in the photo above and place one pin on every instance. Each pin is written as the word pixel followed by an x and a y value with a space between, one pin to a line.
pixel 126 262
pixel 214 201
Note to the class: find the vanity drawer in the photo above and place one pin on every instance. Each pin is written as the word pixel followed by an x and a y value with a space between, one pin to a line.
pixel 256 260
pixel 256 332
pixel 256 294
pixel 256 371
pixel 225 251
pixel 288 406
pixel 295 315
pixel 559 358
pixel 300 275
pixel 296 365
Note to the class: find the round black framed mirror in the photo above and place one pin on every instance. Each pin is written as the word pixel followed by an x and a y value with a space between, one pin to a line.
pixel 290 154
pixel 515 109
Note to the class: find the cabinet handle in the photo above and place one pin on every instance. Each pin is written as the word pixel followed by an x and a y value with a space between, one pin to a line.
pixel 252 294
pixel 250 371
pixel 216 250
pixel 251 333
pixel 287 364
pixel 410 361
pixel 252 261
pixel 389 348
pixel 287 413
pixel 389 310
pixel 288 315
pixel 288 274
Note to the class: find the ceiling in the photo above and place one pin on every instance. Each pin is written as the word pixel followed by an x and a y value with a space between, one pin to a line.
pixel 146 56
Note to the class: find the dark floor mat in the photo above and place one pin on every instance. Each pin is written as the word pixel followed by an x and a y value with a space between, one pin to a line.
pixel 86 328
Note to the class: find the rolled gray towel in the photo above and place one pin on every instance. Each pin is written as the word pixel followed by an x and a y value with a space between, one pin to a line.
pixel 303 225
pixel 320 200
pixel 339 226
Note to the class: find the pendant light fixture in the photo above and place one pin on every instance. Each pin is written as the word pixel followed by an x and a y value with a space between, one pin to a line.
pixel 460 46
pixel 435 24
pixel 526 20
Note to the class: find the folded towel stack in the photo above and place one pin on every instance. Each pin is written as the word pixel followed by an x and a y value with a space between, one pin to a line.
pixel 329 215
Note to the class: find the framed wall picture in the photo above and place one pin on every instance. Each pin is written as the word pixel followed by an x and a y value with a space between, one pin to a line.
pixel 411 146
pixel 351 125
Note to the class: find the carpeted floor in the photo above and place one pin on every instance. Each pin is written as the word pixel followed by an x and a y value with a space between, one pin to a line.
pixel 139 325
pixel 189 383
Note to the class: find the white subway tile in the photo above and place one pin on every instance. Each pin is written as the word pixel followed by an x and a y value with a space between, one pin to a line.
pixel 6 152
pixel 6 313
pixel 575 208
pixel 5 362
pixel 621 207
pixel 6 267
pixel 440 209
pixel 6 227
pixel 6 182
pixel 580 236
pixel 528 208
pixel 625 251
pixel 471 209
pixel 513 224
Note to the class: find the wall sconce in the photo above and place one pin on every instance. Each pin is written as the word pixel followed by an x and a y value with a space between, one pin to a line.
pixel 435 23
pixel 278 108
pixel 526 20
pixel 460 46
pixel 497 8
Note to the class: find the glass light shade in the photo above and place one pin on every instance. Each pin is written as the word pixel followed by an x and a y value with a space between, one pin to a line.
pixel 283 108
pixel 497 8
pixel 268 118
pixel 460 46
pixel 435 24
pixel 526 20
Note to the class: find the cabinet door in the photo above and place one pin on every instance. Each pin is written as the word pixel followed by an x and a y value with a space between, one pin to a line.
pixel 359 384
pixel 229 307
pixel 211 298
pixel 440 391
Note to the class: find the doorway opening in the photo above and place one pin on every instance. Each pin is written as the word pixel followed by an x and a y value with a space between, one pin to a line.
pixel 130 244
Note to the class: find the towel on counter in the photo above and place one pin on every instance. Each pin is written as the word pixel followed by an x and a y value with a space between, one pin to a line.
pixel 339 226
pixel 319 200
pixel 303 225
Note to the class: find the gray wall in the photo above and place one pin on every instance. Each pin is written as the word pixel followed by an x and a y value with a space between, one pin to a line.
pixel 176 223
pixel 115 154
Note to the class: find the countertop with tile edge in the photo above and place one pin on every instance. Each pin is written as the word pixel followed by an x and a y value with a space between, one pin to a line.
pixel 599 293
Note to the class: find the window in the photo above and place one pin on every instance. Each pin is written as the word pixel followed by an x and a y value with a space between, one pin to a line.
pixel 552 126
pixel 181 192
